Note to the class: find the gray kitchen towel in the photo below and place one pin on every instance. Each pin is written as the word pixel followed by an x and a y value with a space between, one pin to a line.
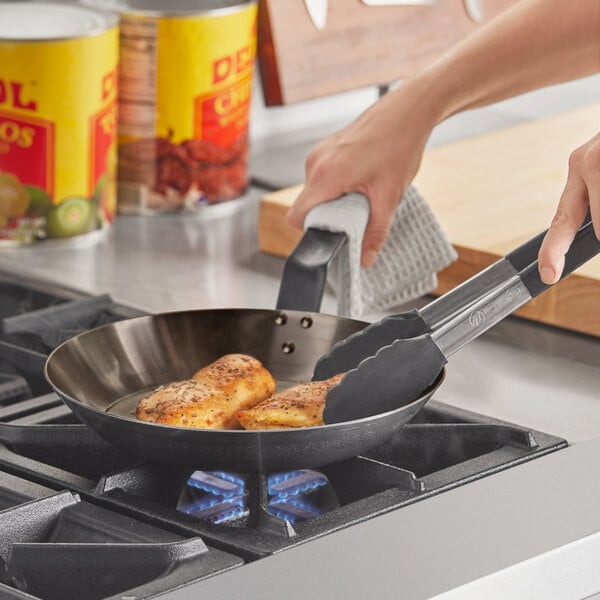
pixel 416 249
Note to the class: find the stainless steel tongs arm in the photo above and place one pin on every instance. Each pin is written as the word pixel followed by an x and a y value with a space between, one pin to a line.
pixel 477 317
pixel 348 354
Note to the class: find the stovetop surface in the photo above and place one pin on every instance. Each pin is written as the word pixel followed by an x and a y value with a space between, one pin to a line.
pixel 70 500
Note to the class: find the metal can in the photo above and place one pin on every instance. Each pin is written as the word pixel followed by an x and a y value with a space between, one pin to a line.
pixel 184 102
pixel 58 120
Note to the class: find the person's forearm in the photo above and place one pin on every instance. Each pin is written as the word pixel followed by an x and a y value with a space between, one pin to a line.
pixel 531 45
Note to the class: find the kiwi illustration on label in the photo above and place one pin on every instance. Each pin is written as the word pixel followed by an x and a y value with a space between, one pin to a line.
pixel 72 216
pixel 14 199
pixel 40 202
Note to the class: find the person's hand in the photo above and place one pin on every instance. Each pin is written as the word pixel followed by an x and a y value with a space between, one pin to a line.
pixel 582 190
pixel 377 155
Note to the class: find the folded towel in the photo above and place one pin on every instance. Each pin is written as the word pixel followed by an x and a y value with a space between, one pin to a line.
pixel 407 266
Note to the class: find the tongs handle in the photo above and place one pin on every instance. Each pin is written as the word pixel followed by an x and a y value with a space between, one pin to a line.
pixel 584 247
pixel 492 307
pixel 439 311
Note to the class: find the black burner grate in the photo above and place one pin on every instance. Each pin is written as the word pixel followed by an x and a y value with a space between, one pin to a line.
pixel 442 448
pixel 34 322
pixel 57 547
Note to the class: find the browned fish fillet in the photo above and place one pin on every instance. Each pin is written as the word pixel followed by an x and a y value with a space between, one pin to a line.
pixel 211 399
pixel 298 406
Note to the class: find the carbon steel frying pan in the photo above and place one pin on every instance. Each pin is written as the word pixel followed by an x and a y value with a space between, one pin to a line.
pixel 102 373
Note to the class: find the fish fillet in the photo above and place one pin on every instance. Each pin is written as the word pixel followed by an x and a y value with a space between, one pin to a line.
pixel 211 399
pixel 298 406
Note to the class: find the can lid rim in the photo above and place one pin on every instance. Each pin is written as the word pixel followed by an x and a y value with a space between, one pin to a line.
pixel 173 8
pixel 108 21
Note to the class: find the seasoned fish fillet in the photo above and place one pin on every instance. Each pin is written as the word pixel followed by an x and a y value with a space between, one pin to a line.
pixel 298 406
pixel 211 399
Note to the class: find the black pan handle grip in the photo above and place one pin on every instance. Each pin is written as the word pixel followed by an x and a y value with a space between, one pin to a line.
pixel 305 271
pixel 584 247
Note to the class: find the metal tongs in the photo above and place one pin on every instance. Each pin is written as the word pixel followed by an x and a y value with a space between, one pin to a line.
pixel 391 362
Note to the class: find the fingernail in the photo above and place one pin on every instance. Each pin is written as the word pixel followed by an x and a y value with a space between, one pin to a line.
pixel 548 275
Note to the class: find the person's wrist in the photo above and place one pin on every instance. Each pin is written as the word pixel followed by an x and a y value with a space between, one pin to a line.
pixel 431 105
pixel 441 91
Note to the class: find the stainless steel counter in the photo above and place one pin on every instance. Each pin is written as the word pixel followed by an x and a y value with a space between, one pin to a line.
pixel 513 535
pixel 163 263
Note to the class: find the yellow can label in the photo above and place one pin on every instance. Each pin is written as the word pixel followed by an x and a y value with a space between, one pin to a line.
pixel 208 62
pixel 58 123
pixel 184 108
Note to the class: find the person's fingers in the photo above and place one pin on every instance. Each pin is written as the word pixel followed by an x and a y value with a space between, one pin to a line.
pixel 570 213
pixel 594 199
pixel 328 177
pixel 383 206
pixel 591 168
pixel 581 191
pixel 309 197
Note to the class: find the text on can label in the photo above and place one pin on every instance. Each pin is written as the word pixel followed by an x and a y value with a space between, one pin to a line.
pixel 233 64
pixel 12 95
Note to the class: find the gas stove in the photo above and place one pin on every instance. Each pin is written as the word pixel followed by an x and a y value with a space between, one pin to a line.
pixel 81 519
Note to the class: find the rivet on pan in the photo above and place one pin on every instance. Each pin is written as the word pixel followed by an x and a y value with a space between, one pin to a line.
pixel 281 319
pixel 288 348
pixel 306 322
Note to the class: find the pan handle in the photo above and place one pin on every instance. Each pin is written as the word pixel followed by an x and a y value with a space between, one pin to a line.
pixel 305 271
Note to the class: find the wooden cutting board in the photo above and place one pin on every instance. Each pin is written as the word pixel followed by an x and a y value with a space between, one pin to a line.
pixel 360 45
pixel 491 193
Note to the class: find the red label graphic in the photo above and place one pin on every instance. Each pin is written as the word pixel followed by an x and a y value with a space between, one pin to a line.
pixel 222 116
pixel 27 150
pixel 103 129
